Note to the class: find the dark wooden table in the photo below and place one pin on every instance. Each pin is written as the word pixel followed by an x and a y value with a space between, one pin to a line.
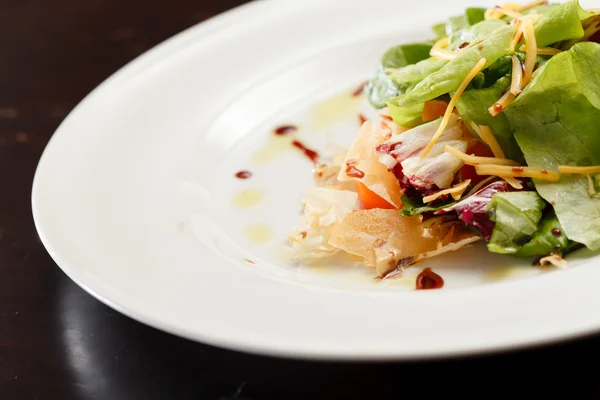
pixel 57 342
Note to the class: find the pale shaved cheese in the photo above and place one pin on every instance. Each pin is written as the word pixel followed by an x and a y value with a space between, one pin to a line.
pixel 437 50
pixel 476 160
pixel 455 191
pixel 530 50
pixel 513 182
pixel 553 259
pixel 523 172
pixel 486 134
pixel 501 104
pixel 532 4
pixel 450 247
pixel 497 12
pixel 544 51
pixel 478 67
pixel 507 11
pixel 516 83
pixel 570 169
pixel 591 188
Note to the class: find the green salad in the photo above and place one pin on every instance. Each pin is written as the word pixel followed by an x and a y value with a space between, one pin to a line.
pixel 547 118
pixel 490 130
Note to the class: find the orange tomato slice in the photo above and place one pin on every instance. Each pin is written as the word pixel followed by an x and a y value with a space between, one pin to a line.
pixel 433 109
pixel 369 199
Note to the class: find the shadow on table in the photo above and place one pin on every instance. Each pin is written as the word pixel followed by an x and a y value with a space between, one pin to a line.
pixel 114 357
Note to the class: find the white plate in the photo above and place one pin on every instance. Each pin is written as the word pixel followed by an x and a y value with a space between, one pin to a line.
pixel 135 198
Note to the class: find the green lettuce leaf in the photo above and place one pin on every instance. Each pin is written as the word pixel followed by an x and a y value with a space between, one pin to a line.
pixel 407 116
pixel 406 54
pixel 473 106
pixel 410 75
pixel 439 30
pixel 560 22
pixel 474 34
pixel 452 74
pixel 516 216
pixel 549 238
pixel 414 206
pixel 555 121
pixel 472 16
pixel 381 88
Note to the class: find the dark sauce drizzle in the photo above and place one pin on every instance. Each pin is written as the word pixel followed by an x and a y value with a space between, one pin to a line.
pixel 285 129
pixel 311 154
pixel 243 175
pixel 428 279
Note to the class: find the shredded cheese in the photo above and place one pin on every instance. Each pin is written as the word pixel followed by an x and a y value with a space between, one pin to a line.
pixel 517 37
pixel 523 172
pixel 516 83
pixel 544 51
pixel 478 186
pixel 455 191
pixel 497 12
pixel 569 169
pixel 511 9
pixel 476 160
pixel 437 50
pixel 488 137
pixel 513 182
pixel 591 188
pixel 501 104
pixel 476 69
pixel 530 50
pixel 536 72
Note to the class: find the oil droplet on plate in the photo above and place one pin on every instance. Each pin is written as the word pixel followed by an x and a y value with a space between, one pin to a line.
pixel 248 198
pixel 507 272
pixel 331 111
pixel 259 234
pixel 275 146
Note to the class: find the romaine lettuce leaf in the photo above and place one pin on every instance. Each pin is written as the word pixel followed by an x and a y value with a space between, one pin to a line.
pixel 555 121
pixel 549 238
pixel 516 215
pixel 472 16
pixel 474 34
pixel 560 22
pixel 410 75
pixel 405 54
pixel 407 116
pixel 452 74
pixel 381 88
pixel 473 106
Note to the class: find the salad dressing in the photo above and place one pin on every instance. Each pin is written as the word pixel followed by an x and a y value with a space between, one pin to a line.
pixel 248 198
pixel 259 234
pixel 275 147
pixel 343 107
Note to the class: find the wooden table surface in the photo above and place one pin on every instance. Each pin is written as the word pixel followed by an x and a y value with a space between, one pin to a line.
pixel 57 342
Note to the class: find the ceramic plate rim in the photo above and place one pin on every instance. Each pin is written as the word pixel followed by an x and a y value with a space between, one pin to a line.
pixel 152 58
